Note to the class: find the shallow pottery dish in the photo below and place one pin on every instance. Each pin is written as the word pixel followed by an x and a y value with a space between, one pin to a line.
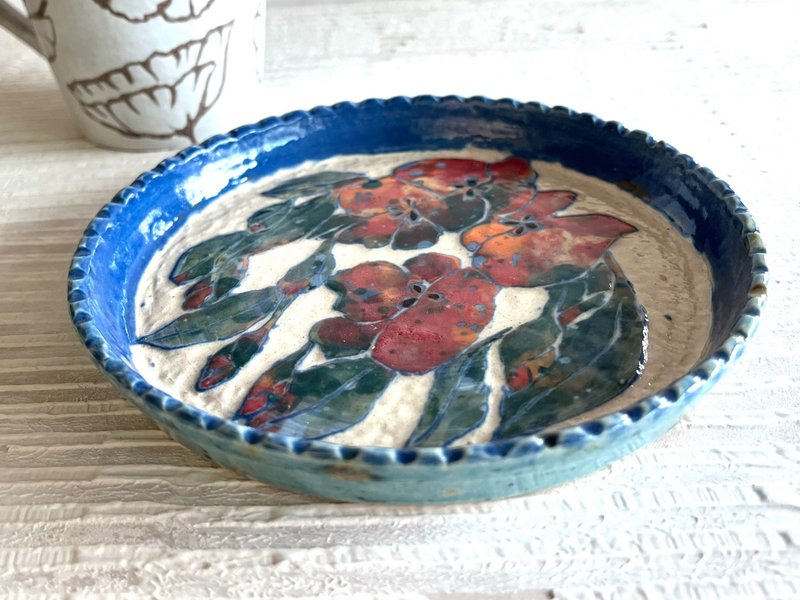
pixel 419 300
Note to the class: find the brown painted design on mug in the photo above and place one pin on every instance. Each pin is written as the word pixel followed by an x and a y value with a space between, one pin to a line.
pixel 43 24
pixel 259 26
pixel 141 11
pixel 179 85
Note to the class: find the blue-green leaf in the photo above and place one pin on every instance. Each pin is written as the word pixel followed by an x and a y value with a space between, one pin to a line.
pixel 216 285
pixel 331 397
pixel 216 266
pixel 312 272
pixel 269 398
pixel 288 221
pixel 308 274
pixel 458 400
pixel 217 321
pixel 199 261
pixel 310 184
pixel 586 347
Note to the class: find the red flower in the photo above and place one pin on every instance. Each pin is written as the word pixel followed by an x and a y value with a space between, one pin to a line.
pixel 411 319
pixel 413 207
pixel 444 175
pixel 523 246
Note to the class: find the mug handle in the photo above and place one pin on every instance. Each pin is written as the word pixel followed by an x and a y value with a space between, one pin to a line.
pixel 18 24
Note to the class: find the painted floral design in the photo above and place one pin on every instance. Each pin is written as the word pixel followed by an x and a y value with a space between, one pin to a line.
pixel 180 85
pixel 410 319
pixel 259 37
pixel 316 402
pixel 415 205
pixel 238 314
pixel 584 347
pixel 428 315
pixel 141 11
pixel 525 245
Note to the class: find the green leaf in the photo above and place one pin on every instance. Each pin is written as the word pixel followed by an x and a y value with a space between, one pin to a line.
pixel 217 321
pixel 458 400
pixel 312 272
pixel 463 209
pixel 270 214
pixel 201 259
pixel 333 397
pixel 539 337
pixel 310 184
pixel 268 398
pixel 226 362
pixel 586 347
pixel 288 221
pixel 220 263
pixel 534 339
pixel 218 284
pixel 333 225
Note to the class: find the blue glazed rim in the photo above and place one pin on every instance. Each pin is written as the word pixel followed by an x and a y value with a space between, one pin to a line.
pixel 596 433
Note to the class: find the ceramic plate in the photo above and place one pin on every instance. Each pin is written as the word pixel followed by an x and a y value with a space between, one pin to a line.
pixel 413 300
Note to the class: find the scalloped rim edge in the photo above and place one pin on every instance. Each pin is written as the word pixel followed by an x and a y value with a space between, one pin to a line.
pixel 556 440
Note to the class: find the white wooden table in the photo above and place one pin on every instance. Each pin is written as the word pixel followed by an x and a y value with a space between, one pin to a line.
pixel 95 499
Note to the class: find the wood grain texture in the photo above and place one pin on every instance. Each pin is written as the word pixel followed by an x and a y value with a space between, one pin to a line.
pixel 95 500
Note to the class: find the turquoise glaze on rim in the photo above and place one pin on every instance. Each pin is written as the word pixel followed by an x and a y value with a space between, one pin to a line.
pixel 115 249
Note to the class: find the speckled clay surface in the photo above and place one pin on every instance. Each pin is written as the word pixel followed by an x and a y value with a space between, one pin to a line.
pixel 476 171
pixel 672 284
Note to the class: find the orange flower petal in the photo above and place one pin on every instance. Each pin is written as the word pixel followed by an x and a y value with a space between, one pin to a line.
pixel 542 205
pixel 604 226
pixel 375 196
pixel 517 260
pixel 473 238
pixel 509 198
pixel 520 260
pixel 340 336
pixel 546 203
pixel 373 233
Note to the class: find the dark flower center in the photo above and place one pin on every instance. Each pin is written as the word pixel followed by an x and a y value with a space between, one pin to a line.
pixel 416 289
pixel 399 208
pixel 469 182
pixel 522 226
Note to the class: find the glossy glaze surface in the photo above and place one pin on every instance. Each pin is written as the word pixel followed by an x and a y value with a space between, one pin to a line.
pixel 209 340
pixel 695 203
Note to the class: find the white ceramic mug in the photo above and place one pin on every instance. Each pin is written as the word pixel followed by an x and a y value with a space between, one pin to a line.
pixel 150 74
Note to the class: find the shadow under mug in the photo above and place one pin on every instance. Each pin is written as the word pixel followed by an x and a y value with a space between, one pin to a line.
pixel 150 74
